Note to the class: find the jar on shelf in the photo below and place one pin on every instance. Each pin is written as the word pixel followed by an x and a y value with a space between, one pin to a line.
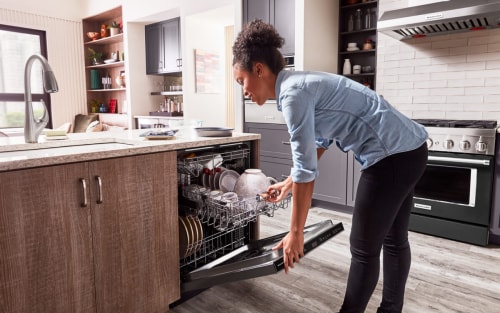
pixel 368 44
pixel 347 67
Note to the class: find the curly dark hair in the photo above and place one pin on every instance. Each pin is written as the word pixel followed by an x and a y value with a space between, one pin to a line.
pixel 259 42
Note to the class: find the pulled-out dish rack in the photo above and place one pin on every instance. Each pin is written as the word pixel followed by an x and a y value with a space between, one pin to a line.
pixel 218 225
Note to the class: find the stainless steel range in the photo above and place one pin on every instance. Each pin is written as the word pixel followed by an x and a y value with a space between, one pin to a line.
pixel 453 198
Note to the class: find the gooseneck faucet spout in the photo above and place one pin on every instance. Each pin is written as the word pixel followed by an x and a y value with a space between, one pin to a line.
pixel 33 126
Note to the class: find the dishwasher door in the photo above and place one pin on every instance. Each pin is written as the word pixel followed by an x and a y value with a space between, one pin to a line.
pixel 255 259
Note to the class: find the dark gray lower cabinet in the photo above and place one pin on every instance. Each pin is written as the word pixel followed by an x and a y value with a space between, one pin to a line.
pixel 330 185
pixel 353 174
pixel 338 171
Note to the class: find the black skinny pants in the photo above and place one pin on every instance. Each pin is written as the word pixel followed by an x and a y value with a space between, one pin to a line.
pixel 380 219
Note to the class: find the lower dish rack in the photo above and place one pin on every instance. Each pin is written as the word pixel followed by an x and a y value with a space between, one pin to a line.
pixel 221 226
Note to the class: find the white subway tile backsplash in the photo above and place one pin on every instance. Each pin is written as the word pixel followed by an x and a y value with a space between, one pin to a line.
pixel 431 68
pixel 399 56
pixel 470 66
pixel 429 99
pixel 447 75
pixel 450 76
pixel 465 99
pixel 431 53
pixel 492 81
pixel 414 77
pixel 447 91
pixel 447 44
pixel 495 99
pixel 483 74
pixel 482 91
pixel 429 84
pixel 482 107
pixel 449 59
pixel 465 82
pixel 469 49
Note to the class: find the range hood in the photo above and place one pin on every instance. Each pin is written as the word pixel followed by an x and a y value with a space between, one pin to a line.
pixel 440 18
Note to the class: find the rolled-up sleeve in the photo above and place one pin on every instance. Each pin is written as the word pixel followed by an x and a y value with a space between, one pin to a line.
pixel 299 117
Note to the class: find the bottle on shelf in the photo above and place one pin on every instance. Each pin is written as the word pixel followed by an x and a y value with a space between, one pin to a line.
pixel 368 19
pixel 350 24
pixel 373 18
pixel 357 20
pixel 347 67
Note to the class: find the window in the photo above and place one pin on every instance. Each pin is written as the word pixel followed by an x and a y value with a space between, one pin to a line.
pixel 16 46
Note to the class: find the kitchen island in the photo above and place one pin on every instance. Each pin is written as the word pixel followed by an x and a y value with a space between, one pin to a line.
pixel 88 229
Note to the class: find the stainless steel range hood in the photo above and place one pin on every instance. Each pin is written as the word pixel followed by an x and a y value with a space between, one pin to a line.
pixel 440 18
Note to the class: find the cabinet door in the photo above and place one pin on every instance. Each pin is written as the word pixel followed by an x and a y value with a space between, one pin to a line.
pixel 274 167
pixel 135 228
pixel 275 141
pixel 256 9
pixel 284 22
pixel 171 45
pixel 45 241
pixel 330 185
pixel 154 49
pixel 353 175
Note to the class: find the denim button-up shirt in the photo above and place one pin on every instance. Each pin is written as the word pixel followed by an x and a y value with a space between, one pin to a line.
pixel 322 108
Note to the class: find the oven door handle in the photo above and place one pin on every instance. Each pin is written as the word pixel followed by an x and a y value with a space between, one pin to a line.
pixel 459 160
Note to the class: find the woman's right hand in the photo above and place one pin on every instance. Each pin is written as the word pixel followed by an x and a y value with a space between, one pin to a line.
pixel 279 191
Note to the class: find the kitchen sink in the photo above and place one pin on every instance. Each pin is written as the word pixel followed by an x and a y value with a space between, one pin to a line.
pixel 67 149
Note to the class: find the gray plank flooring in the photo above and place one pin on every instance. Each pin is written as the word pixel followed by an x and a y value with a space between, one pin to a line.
pixel 446 276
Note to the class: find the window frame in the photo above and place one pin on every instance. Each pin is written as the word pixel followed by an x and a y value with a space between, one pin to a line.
pixel 36 97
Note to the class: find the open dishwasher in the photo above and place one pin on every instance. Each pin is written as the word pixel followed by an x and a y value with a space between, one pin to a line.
pixel 219 238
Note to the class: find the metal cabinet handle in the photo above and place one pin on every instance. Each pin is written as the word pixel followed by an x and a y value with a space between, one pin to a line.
pixel 286 143
pixel 84 189
pixel 99 189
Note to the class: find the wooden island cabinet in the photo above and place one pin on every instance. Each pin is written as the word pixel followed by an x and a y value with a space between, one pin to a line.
pixel 95 236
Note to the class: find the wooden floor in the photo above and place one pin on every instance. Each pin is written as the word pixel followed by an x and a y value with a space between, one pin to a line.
pixel 446 276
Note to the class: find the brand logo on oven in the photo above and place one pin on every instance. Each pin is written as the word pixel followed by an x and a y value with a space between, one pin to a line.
pixel 422 206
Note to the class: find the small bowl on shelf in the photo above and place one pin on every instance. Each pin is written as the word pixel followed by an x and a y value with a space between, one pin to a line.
pixel 109 61
pixel 93 35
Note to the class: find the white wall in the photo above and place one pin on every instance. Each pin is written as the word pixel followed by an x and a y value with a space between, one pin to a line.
pixel 61 9
pixel 451 76
pixel 205 31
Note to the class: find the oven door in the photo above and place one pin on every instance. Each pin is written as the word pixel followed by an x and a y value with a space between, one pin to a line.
pixel 456 187
pixel 254 259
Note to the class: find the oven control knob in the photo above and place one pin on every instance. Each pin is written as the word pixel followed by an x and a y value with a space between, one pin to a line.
pixel 465 145
pixel 481 146
pixel 448 144
pixel 429 143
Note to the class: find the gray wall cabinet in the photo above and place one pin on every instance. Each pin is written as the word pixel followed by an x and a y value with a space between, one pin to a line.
pixel 163 47
pixel 280 13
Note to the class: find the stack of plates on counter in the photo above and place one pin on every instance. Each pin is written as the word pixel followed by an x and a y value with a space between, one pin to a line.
pixel 190 235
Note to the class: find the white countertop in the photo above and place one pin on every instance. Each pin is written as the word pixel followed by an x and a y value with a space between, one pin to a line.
pixel 16 154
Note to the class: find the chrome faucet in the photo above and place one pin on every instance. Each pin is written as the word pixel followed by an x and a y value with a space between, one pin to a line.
pixel 33 126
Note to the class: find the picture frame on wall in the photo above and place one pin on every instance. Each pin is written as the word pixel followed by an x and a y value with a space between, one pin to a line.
pixel 208 76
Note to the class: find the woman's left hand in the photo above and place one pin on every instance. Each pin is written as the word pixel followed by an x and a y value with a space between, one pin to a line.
pixel 293 249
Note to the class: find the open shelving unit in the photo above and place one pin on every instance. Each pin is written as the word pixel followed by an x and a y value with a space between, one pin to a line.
pixel 361 57
pixel 106 46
